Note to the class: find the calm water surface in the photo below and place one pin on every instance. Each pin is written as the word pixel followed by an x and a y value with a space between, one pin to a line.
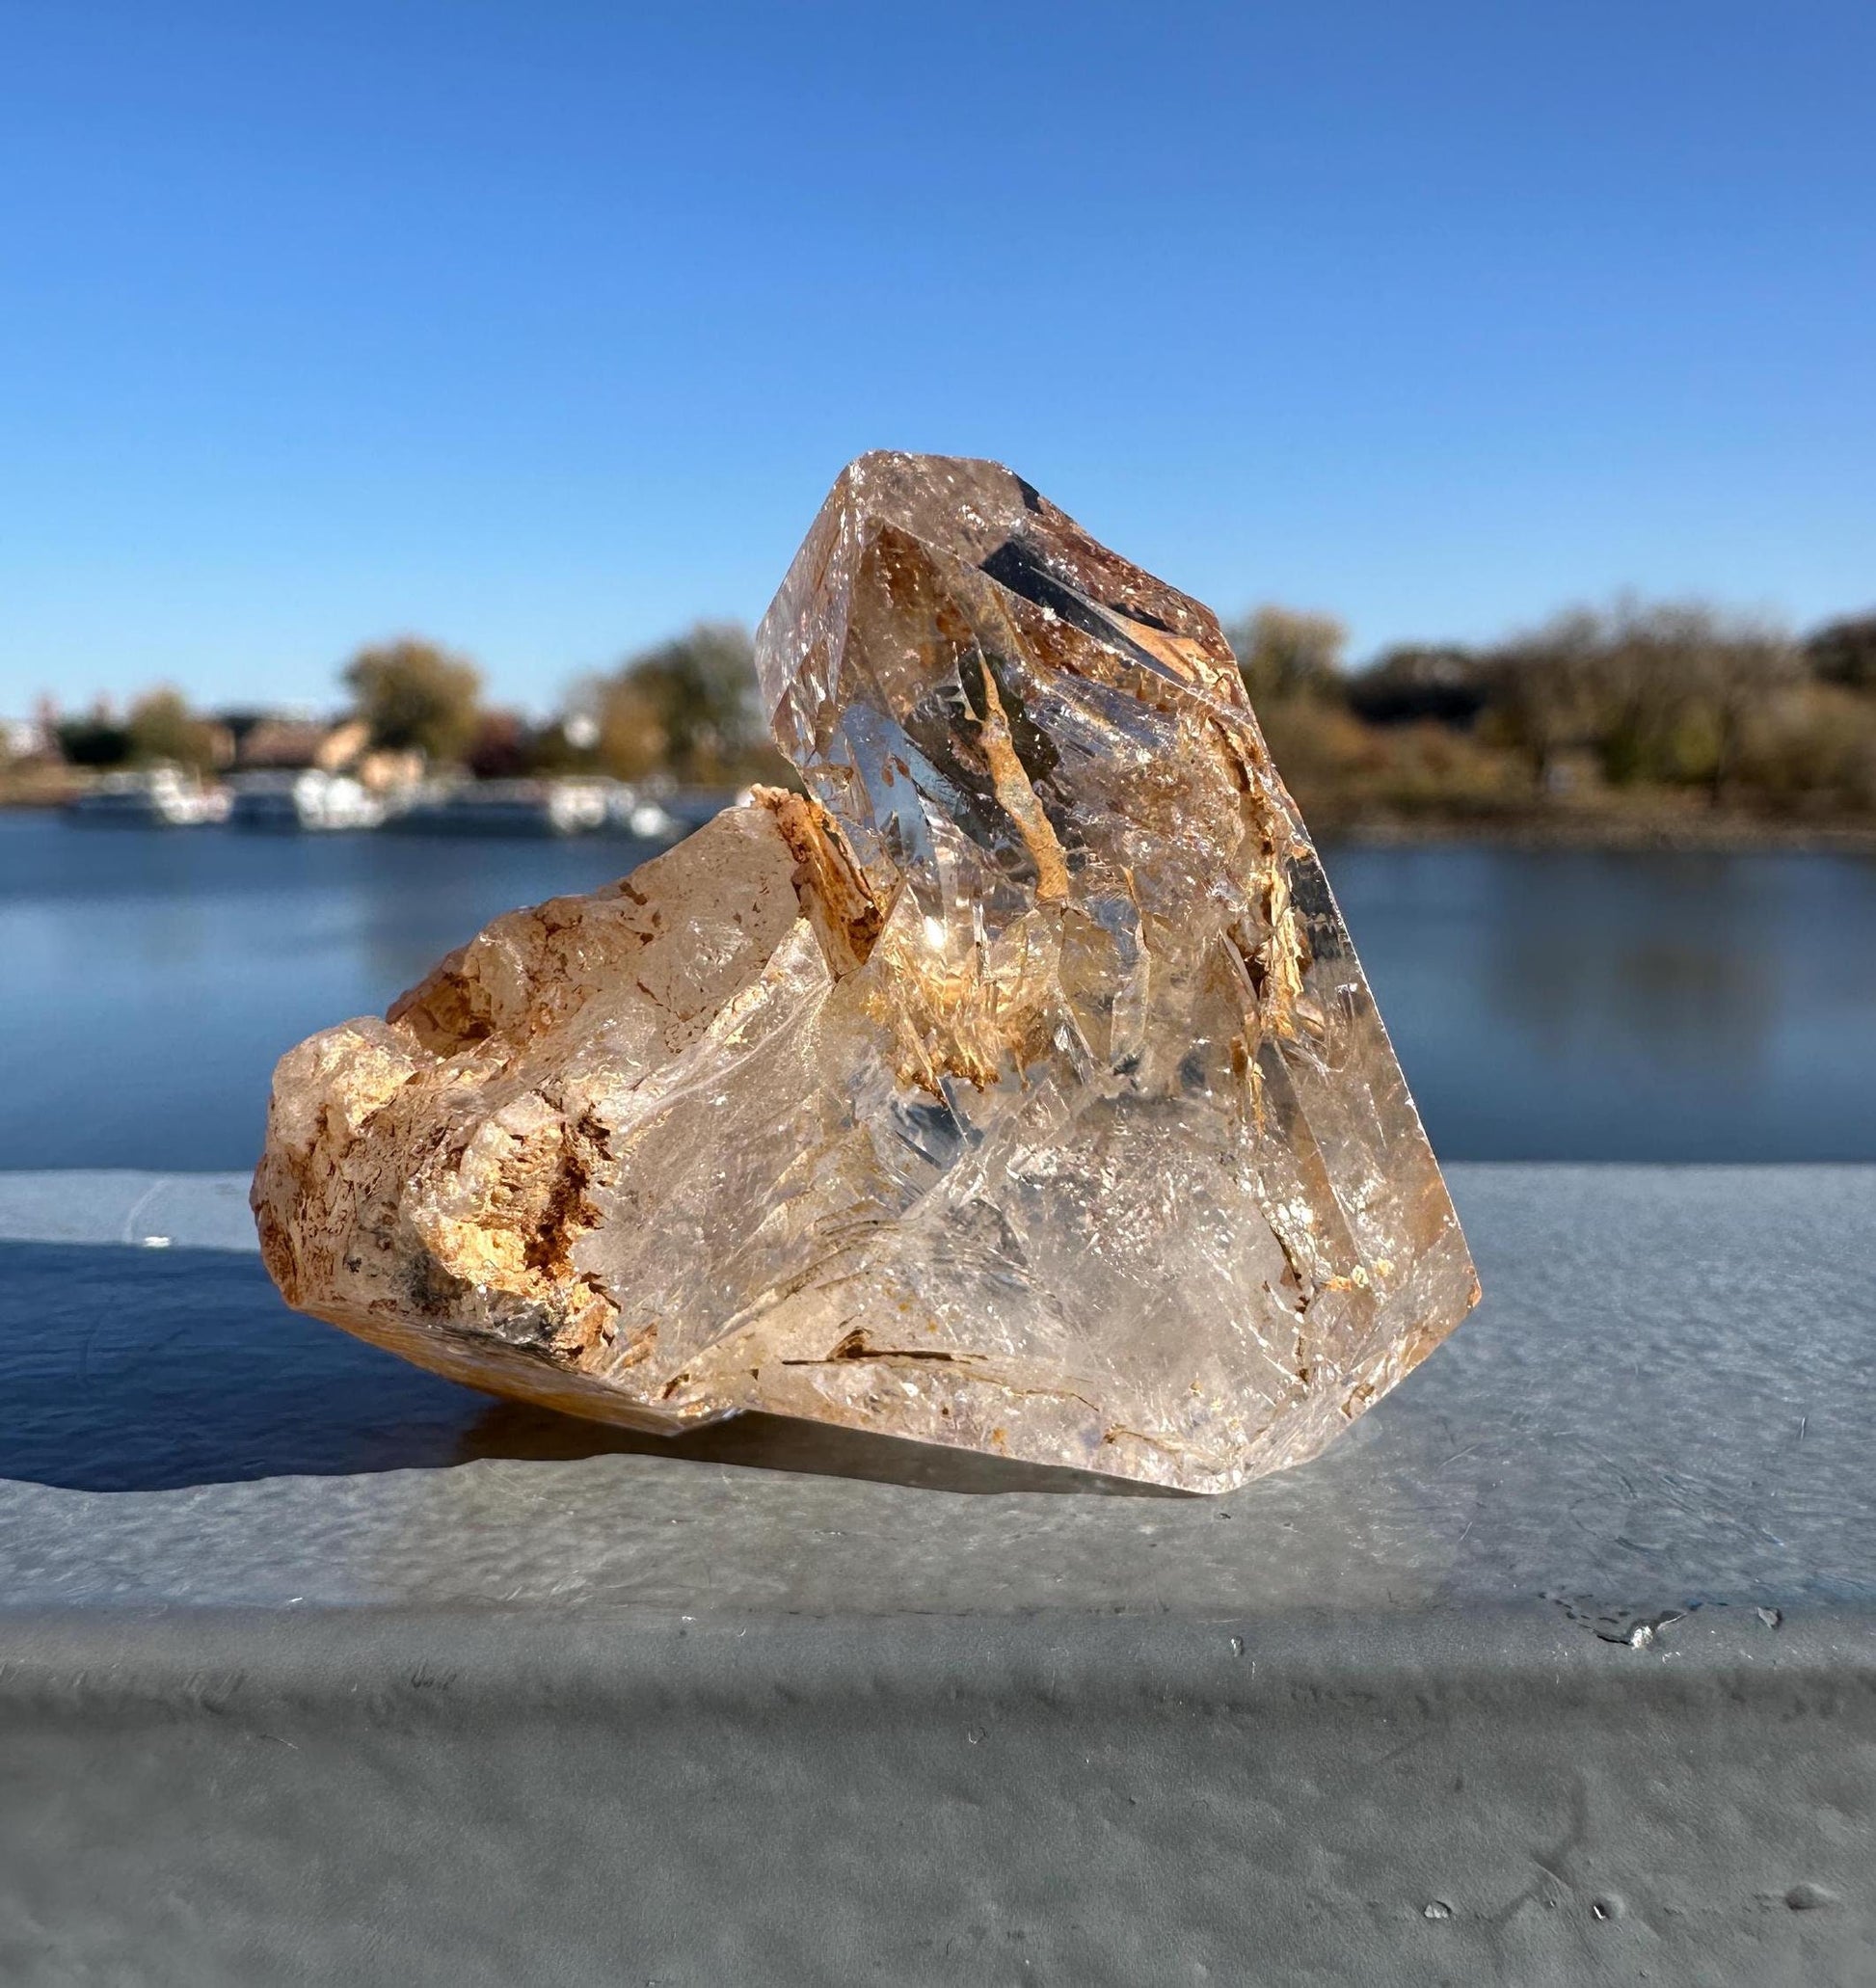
pixel 1546 1005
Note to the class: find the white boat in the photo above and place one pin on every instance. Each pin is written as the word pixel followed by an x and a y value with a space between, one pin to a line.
pixel 309 799
pixel 150 797
pixel 661 810
pixel 629 812
pixel 510 807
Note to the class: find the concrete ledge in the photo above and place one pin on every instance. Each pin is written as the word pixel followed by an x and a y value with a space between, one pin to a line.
pixel 376 1797
pixel 1562 1667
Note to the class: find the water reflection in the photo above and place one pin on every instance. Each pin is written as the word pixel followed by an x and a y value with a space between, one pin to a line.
pixel 1545 1005
pixel 1614 960
pixel 1564 1004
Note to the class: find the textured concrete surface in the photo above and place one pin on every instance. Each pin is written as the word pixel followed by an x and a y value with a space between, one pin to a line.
pixel 611 1798
pixel 1562 1667
pixel 1666 1399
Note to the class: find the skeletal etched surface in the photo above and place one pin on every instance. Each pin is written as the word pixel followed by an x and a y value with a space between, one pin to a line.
pixel 1017 1088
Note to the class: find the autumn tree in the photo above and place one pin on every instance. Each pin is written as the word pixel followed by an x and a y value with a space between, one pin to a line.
pixel 1284 652
pixel 1675 684
pixel 1660 693
pixel 416 697
pixel 1735 670
pixel 162 728
pixel 632 739
pixel 1844 651
pixel 687 706
pixel 1542 690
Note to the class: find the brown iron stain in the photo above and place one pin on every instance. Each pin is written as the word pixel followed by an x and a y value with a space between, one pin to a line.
pixel 835 897
pixel 1018 799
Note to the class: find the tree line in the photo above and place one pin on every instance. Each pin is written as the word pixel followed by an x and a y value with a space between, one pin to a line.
pixel 1619 706
pixel 1613 705
pixel 685 707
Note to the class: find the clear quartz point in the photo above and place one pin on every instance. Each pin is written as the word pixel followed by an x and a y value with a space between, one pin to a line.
pixel 1016 1087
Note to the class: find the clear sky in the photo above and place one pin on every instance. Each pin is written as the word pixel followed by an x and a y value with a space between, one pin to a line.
pixel 541 328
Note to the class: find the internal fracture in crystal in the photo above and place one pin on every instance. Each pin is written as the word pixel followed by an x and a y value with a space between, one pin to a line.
pixel 1014 1086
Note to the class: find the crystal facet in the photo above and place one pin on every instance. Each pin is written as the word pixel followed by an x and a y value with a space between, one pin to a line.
pixel 1016 1087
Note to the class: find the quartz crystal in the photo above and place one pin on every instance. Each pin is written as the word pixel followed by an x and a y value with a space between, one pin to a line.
pixel 1014 1086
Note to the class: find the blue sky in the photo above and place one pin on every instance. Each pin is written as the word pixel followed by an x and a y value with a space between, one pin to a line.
pixel 543 328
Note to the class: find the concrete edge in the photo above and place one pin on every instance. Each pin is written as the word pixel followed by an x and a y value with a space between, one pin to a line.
pixel 203 1660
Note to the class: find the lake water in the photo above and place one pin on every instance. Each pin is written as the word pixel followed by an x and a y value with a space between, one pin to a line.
pixel 1546 1004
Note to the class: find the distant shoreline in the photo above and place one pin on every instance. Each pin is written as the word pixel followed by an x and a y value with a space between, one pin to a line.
pixel 1661 834
pixel 1674 831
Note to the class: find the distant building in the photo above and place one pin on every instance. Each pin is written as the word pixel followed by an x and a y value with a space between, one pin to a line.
pixel 286 742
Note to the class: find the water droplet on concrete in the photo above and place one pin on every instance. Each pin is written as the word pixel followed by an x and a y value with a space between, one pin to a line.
pixel 1436 1908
